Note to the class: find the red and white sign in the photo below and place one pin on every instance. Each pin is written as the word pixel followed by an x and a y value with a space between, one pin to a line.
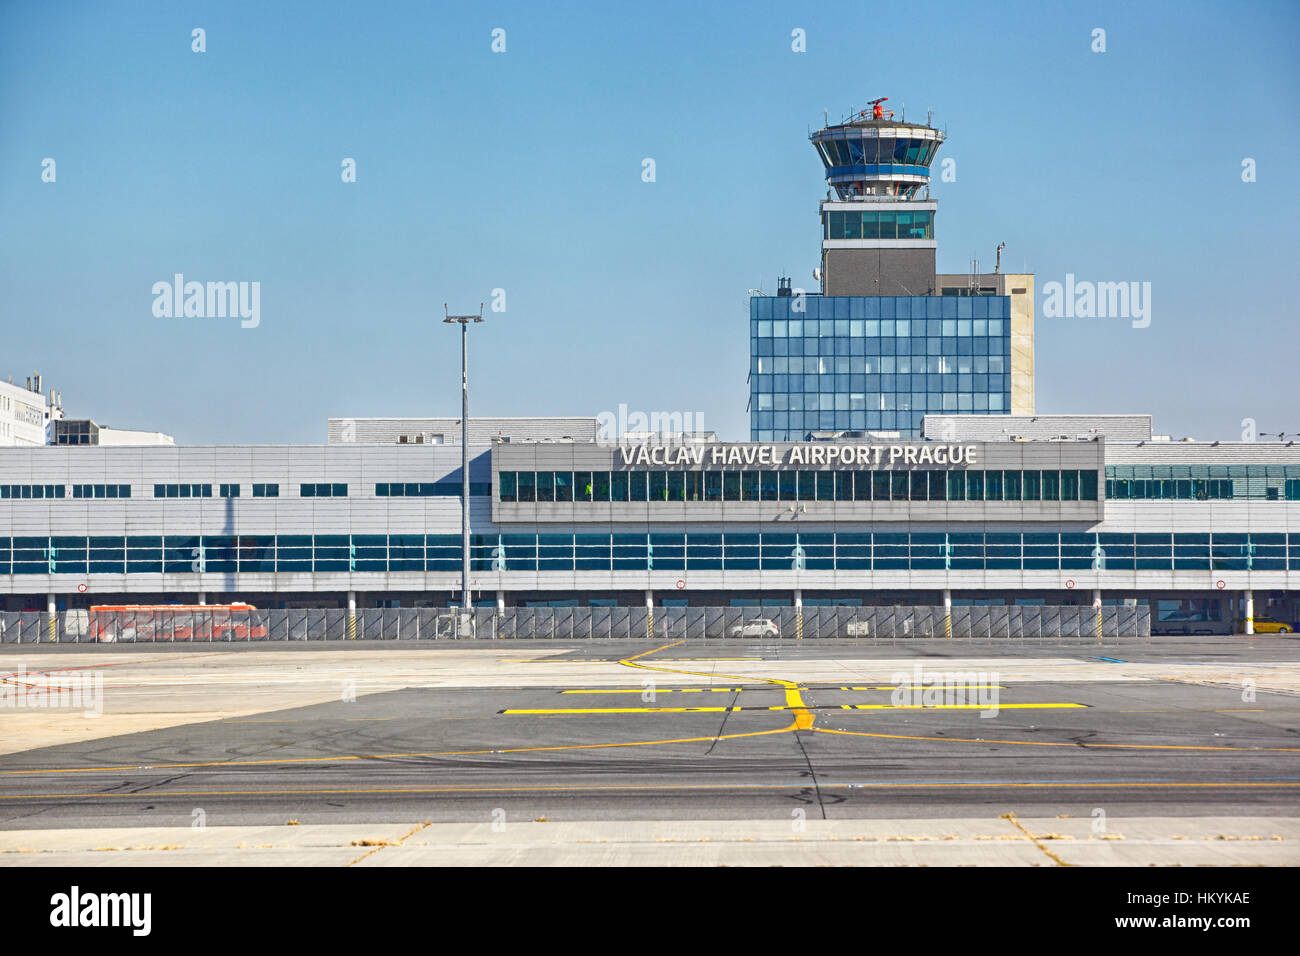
pixel 680 584
pixel 81 588
pixel 1219 585
pixel 1070 584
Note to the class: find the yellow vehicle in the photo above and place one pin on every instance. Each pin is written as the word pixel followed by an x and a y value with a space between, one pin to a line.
pixel 1267 625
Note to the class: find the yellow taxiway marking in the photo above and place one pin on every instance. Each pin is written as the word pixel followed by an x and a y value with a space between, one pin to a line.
pixel 657 690
pixel 630 710
pixel 869 785
pixel 803 717
pixel 1040 706
pixel 936 684
pixel 710 738
pixel 1053 743
pixel 719 710
pixel 615 660
pixel 720 690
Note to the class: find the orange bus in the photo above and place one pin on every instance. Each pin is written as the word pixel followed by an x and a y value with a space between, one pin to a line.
pixel 174 622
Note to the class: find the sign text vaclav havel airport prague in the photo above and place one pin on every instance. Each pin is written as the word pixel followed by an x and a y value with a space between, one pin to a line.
pixel 857 455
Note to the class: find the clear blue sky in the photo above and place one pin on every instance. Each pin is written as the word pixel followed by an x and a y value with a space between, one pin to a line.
pixel 522 171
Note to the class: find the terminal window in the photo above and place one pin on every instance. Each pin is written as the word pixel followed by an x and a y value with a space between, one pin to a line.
pixel 664 549
pixel 688 486
pixel 323 490
pixel 182 491
pixel 101 491
pixel 31 491
pixel 1204 482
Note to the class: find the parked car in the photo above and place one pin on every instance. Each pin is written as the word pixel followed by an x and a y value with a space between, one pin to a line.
pixel 1266 625
pixel 756 627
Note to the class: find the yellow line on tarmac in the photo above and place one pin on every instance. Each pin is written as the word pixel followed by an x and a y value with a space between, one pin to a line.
pixel 657 690
pixel 1042 706
pixel 803 717
pixel 936 684
pixel 1051 743
pixel 396 756
pixel 977 785
pixel 630 710
pixel 719 710
pixel 615 660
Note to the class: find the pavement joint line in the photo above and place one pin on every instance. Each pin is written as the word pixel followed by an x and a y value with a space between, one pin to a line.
pixel 1011 816
pixel 399 842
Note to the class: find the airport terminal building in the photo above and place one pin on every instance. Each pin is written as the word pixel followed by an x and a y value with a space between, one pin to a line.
pixel 894 459
pixel 1040 518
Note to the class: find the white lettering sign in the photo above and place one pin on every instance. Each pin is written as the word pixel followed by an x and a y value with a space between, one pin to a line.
pixel 857 455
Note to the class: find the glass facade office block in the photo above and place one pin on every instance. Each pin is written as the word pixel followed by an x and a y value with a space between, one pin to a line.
pixel 874 363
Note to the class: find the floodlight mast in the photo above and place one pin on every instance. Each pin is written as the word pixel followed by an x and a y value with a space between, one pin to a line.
pixel 464 322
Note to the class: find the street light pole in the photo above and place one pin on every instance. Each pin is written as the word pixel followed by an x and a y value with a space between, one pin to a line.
pixel 464 321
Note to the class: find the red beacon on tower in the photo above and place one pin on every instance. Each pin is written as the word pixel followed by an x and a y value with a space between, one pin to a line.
pixel 877 111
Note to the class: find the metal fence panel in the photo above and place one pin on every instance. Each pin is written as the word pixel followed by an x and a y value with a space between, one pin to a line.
pixel 894 623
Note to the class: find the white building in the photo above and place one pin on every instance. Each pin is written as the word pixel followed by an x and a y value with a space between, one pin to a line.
pixel 23 415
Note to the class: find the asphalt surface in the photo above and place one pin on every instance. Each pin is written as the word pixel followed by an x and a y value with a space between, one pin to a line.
pixel 713 742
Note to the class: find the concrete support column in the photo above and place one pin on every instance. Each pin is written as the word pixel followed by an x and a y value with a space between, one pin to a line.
pixel 352 615
pixel 649 614
pixel 1250 612
pixel 1096 603
pixel 798 598
pixel 52 617
pixel 798 614
pixel 947 612
pixel 203 597
pixel 501 600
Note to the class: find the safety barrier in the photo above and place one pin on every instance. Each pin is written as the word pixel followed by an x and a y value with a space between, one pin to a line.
pixel 1036 623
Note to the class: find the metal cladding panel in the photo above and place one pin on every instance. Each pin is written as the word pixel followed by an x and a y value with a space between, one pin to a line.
pixel 1203 453
pixel 389 431
pixel 979 427
pixel 1163 516
pixel 289 466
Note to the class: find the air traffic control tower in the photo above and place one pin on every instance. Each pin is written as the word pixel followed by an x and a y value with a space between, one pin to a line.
pixel 877 235
pixel 887 339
